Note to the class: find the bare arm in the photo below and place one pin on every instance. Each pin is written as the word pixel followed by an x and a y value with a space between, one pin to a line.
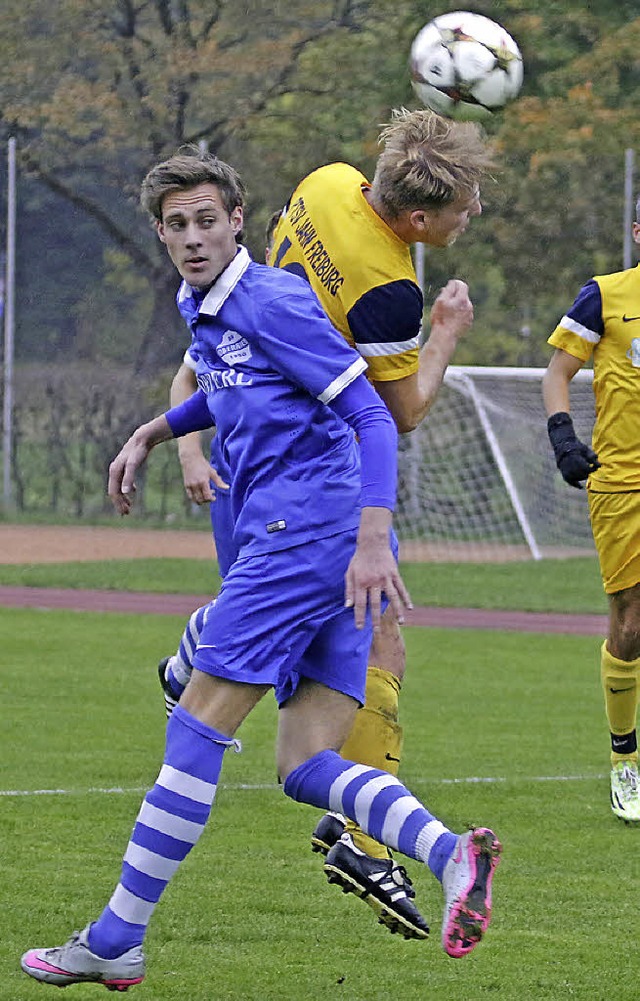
pixel 556 382
pixel 575 460
pixel 196 471
pixel 409 400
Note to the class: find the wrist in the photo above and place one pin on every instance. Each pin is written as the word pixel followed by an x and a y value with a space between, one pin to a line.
pixel 559 420
pixel 153 432
pixel 375 523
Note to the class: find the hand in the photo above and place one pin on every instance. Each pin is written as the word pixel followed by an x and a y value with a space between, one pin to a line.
pixel 132 455
pixel 576 463
pixel 452 310
pixel 372 571
pixel 197 476
pixel 122 488
pixel 574 459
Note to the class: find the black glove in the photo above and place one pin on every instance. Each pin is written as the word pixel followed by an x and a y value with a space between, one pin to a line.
pixel 574 459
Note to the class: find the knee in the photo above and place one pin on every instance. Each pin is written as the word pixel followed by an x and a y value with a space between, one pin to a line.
pixel 624 642
pixel 624 634
pixel 388 649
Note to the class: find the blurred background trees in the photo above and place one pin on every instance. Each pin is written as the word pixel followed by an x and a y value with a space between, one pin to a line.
pixel 96 91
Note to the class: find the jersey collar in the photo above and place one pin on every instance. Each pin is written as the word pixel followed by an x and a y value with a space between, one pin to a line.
pixel 223 285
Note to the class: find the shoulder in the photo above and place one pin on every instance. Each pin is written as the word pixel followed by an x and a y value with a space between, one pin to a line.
pixel 332 175
pixel 267 283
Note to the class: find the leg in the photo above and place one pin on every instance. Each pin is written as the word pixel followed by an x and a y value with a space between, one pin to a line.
pixel 170 822
pixel 615 521
pixel 386 810
pixel 376 736
pixel 620 667
pixel 360 864
pixel 174 672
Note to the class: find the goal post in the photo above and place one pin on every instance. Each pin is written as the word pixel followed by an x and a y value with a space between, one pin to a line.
pixel 478 480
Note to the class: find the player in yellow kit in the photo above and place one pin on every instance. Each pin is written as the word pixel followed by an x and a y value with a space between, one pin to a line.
pixel 604 322
pixel 351 240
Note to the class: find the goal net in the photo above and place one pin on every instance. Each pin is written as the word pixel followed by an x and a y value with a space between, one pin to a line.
pixel 478 480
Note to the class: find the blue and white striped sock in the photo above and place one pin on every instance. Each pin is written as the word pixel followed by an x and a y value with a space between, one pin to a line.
pixel 378 802
pixel 170 821
pixel 180 666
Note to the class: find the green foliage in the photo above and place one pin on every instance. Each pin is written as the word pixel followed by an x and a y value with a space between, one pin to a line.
pixel 96 92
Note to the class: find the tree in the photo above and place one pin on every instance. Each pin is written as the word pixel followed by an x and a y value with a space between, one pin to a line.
pixel 98 90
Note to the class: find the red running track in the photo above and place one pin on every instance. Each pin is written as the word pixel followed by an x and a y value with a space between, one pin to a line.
pixel 136 602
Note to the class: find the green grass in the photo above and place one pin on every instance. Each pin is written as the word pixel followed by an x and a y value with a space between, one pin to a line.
pixel 571 585
pixel 250 917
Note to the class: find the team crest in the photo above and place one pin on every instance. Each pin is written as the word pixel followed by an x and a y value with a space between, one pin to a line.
pixel 233 349
pixel 634 352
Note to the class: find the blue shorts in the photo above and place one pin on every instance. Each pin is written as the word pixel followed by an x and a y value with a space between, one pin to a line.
pixel 281 617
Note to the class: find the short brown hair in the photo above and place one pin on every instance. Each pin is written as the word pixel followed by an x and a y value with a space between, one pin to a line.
pixel 187 168
pixel 428 161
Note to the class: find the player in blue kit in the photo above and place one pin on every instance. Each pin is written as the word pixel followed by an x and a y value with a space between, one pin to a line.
pixel 351 240
pixel 312 513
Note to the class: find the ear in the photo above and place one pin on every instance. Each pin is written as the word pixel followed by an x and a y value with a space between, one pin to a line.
pixel 236 219
pixel 160 232
pixel 419 220
pixel 635 232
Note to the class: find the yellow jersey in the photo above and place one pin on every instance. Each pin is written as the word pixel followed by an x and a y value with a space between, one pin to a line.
pixel 361 272
pixel 604 321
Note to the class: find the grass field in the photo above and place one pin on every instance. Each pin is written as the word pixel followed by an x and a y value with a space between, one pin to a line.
pixel 571 585
pixel 504 729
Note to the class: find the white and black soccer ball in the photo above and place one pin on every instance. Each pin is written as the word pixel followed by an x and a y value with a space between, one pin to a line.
pixel 465 66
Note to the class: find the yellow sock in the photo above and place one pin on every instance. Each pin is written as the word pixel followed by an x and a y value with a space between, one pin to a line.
pixel 620 687
pixel 375 740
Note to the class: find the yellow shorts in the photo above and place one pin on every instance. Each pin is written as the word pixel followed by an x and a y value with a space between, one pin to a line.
pixel 615 522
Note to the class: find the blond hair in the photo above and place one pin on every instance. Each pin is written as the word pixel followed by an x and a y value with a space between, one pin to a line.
pixel 428 161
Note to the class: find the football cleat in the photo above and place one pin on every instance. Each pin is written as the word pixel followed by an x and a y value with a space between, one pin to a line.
pixel 384 885
pixel 74 963
pixel 327 831
pixel 170 701
pixel 466 883
pixel 625 791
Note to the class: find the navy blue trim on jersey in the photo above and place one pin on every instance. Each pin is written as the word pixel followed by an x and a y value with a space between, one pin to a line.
pixel 587 308
pixel 387 314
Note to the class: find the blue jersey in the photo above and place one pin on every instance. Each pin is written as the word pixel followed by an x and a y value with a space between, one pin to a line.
pixel 263 346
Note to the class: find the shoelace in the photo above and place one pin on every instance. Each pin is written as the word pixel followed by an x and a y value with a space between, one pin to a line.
pixel 56 948
pixel 406 881
pixel 629 782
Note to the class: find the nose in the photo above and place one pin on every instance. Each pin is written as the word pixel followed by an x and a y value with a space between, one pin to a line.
pixel 192 235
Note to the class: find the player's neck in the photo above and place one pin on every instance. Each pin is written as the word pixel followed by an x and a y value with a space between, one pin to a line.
pixel 395 225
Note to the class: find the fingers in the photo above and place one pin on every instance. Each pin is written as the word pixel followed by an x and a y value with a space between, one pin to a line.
pixel 362 598
pixel 199 493
pixel 121 487
pixel 217 479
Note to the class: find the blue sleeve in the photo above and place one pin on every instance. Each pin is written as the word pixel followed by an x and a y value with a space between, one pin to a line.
pixel 361 407
pixel 303 346
pixel 190 415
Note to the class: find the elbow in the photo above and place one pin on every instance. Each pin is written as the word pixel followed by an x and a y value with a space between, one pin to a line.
pixel 407 424
pixel 408 420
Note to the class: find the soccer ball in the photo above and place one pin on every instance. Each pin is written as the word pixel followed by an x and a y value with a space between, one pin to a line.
pixel 465 66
